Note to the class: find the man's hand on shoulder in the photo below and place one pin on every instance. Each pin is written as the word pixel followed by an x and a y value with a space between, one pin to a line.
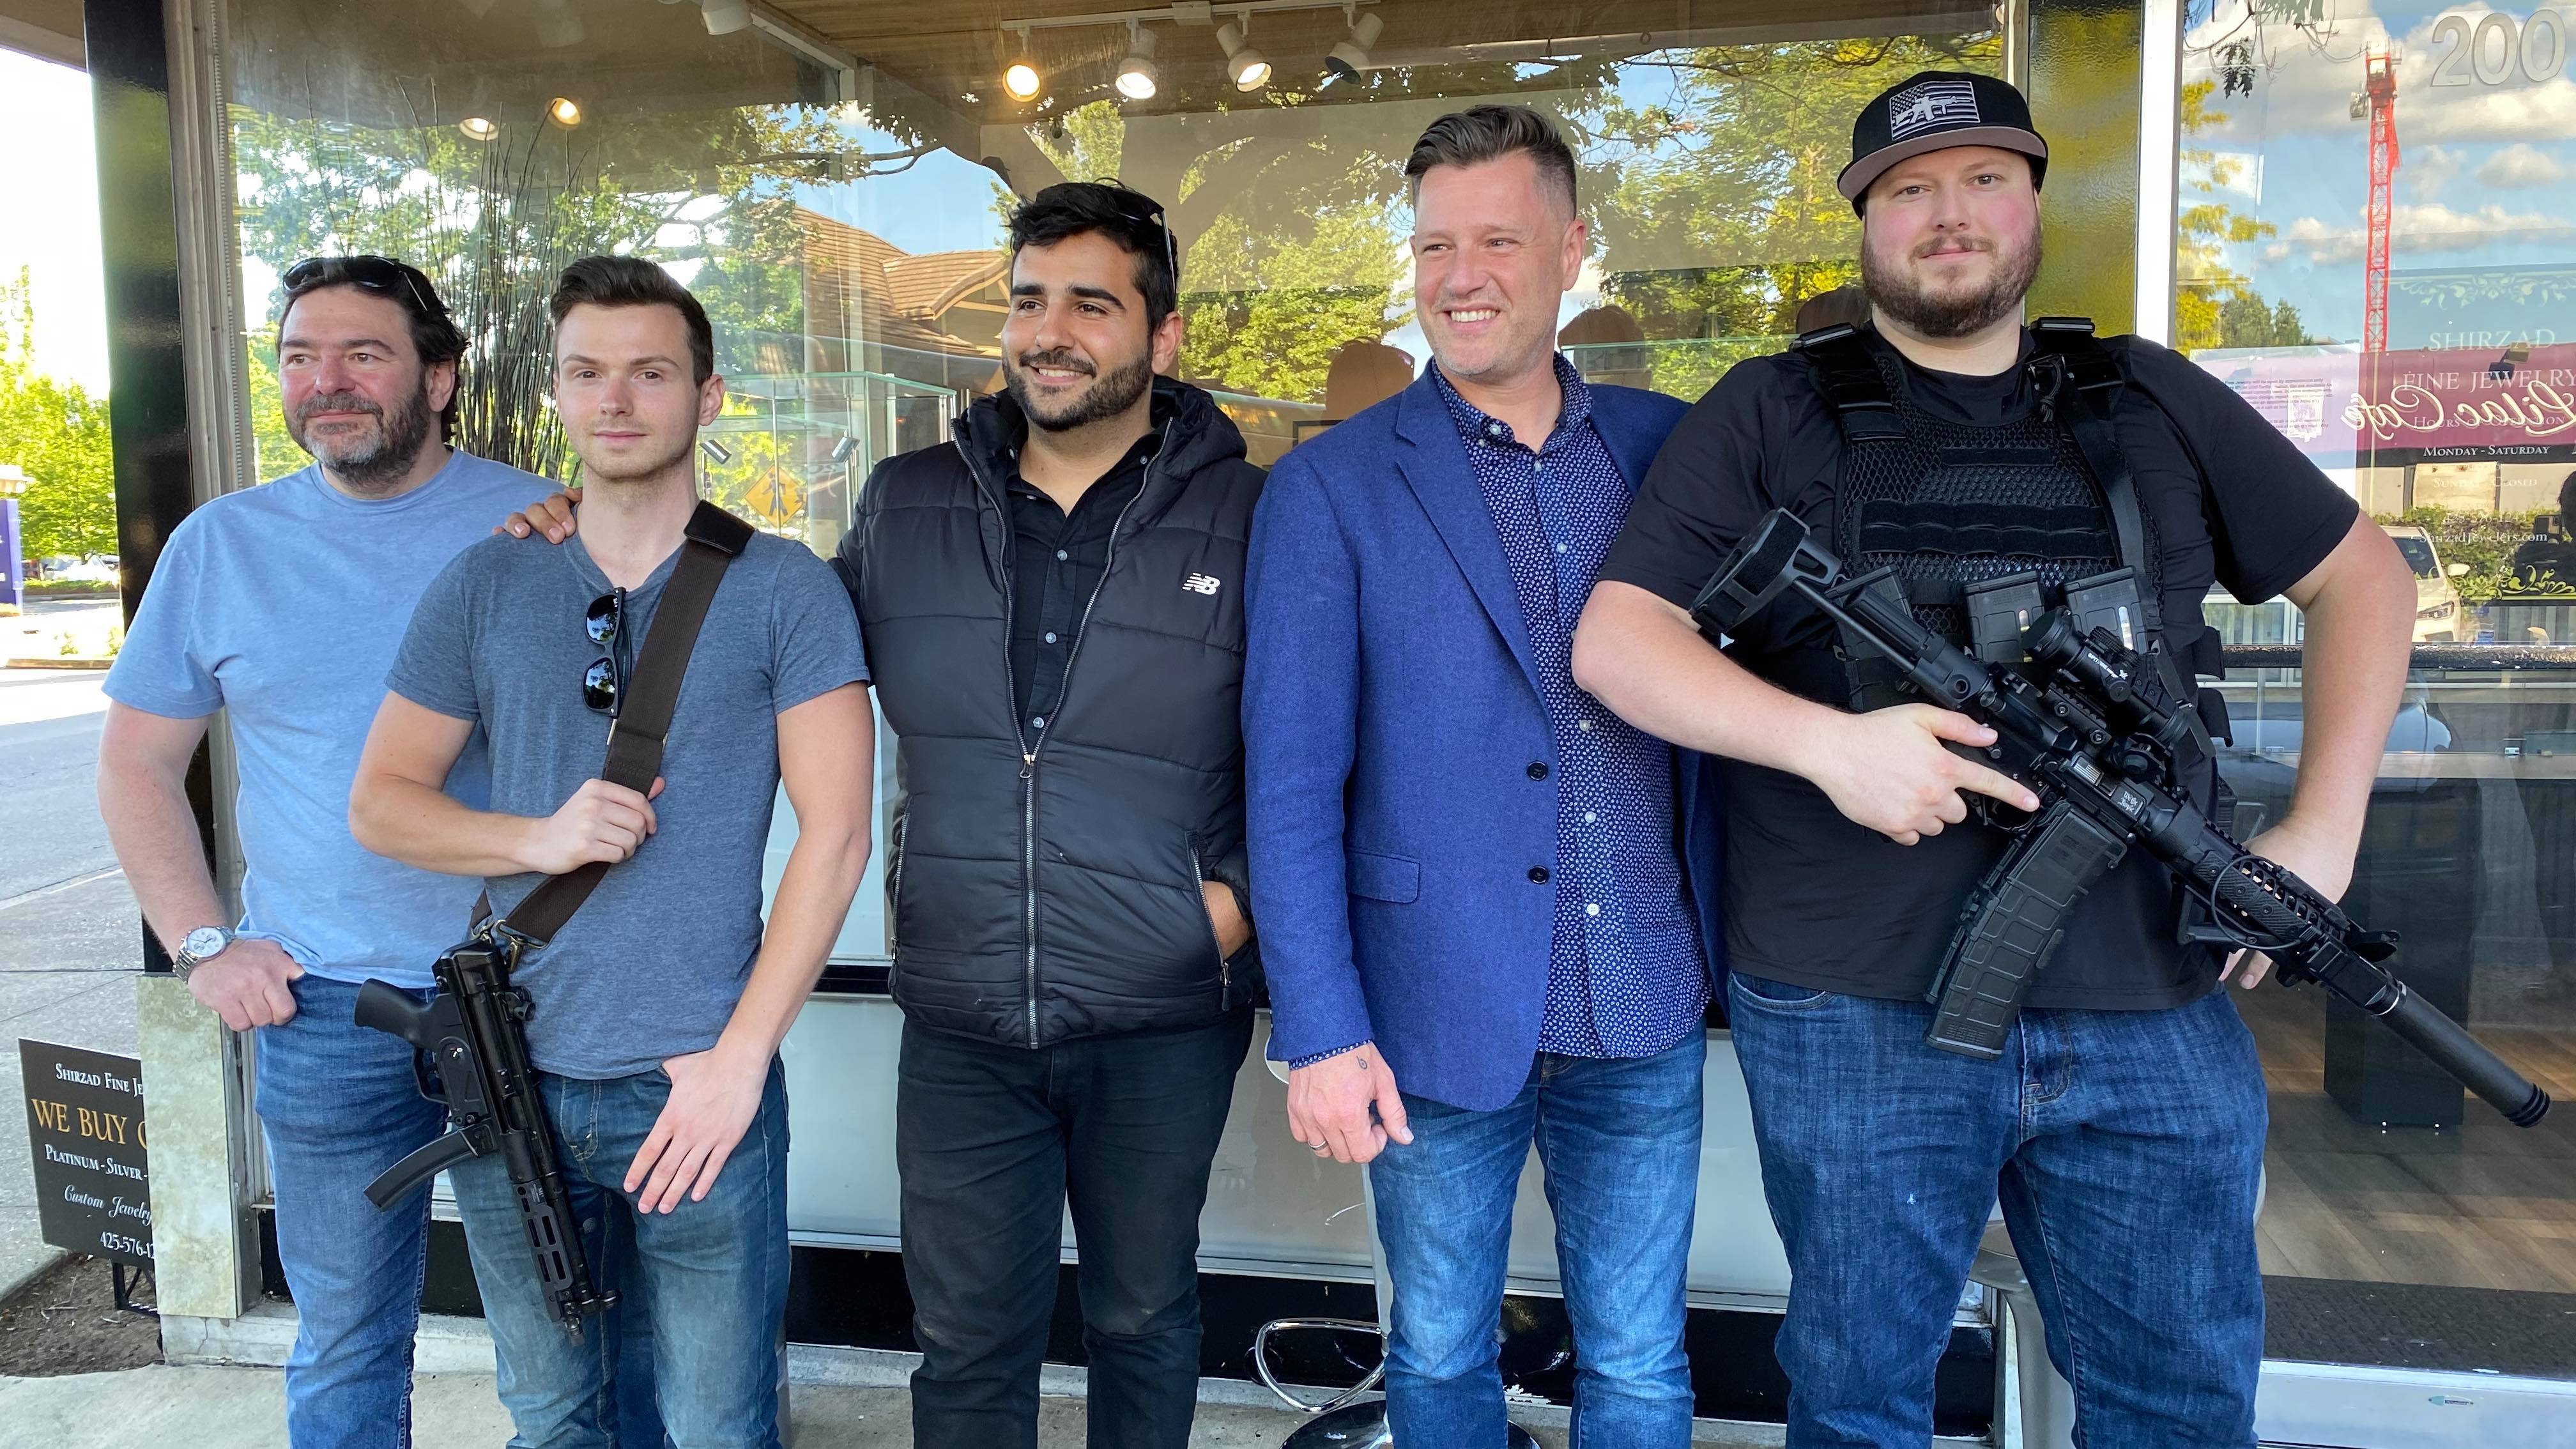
pixel 551 514
pixel 1889 770
pixel 1330 1106
pixel 601 822
pixel 246 984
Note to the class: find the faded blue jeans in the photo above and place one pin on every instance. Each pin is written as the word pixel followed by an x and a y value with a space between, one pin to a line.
pixel 712 1276
pixel 339 1104
pixel 1618 1141
pixel 2125 1146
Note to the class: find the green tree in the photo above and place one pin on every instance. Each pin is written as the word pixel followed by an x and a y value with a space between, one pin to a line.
pixel 1738 163
pixel 58 434
pixel 2214 304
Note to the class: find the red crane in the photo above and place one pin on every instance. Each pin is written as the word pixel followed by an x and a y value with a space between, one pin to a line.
pixel 2379 79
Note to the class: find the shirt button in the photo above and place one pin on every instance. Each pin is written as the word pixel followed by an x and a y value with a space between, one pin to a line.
pixel 1560 548
pixel 1538 875
pixel 1538 769
pixel 1038 723
pixel 1050 638
pixel 1061 554
pixel 1591 908
pixel 1589 817
pixel 1583 724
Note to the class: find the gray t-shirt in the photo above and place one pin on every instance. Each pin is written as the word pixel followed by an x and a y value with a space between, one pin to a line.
pixel 282 605
pixel 653 963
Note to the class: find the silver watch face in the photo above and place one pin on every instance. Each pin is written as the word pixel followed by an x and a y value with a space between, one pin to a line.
pixel 204 941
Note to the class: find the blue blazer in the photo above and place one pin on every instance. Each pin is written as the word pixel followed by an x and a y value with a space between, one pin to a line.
pixel 1390 717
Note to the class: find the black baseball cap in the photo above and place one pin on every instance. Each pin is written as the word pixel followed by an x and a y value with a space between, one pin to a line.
pixel 1934 111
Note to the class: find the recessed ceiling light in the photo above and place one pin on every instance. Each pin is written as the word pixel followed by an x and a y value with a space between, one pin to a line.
pixel 479 128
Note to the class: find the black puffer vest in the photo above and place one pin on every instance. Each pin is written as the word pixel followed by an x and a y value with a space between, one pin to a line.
pixel 1047 891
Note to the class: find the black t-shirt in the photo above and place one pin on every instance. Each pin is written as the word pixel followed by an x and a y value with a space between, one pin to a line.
pixel 1817 901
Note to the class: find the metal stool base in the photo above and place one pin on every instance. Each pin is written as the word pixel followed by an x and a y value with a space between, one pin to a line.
pixel 1363 1426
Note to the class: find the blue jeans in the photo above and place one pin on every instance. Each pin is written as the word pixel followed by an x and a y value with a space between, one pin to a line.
pixel 1618 1139
pixel 340 1104
pixel 712 1276
pixel 2125 1147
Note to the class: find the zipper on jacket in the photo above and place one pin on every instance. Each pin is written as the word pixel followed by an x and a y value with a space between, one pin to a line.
pixel 894 895
pixel 1029 751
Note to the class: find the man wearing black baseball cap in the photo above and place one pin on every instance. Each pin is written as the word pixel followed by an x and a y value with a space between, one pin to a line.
pixel 2122 1126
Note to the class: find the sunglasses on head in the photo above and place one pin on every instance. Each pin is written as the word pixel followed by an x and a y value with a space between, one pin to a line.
pixel 381 275
pixel 1143 208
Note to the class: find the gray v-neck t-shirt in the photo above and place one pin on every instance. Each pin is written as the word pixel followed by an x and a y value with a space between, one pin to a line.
pixel 651 966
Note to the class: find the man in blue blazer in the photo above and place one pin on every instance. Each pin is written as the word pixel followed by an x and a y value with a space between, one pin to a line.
pixel 1472 879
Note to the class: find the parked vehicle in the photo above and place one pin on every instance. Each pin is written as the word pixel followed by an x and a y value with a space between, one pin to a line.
pixel 2440 617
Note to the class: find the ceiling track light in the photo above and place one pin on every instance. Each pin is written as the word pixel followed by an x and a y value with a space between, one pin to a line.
pixel 564 111
pixel 724 17
pixel 1022 80
pixel 1138 76
pixel 1346 60
pixel 1246 66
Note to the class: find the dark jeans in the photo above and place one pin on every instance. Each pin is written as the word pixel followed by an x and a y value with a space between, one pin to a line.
pixel 2125 1147
pixel 992 1142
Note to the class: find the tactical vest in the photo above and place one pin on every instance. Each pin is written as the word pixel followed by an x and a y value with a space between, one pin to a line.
pixel 1948 507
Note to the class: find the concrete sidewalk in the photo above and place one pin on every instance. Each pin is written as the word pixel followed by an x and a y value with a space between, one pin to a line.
pixel 243 1408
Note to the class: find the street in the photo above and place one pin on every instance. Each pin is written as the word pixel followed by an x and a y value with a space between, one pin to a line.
pixel 68 926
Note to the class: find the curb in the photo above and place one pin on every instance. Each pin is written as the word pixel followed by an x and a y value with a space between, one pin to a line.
pixel 60 661
pixel 11 1286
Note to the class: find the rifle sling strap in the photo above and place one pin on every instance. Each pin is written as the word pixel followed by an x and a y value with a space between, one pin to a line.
pixel 652 692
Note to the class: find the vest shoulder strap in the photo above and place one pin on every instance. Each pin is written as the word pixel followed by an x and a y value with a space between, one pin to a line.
pixel 2088 383
pixel 2095 372
pixel 1847 373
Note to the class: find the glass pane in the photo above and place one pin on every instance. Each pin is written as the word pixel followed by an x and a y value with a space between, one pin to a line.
pixel 2374 250
pixel 845 229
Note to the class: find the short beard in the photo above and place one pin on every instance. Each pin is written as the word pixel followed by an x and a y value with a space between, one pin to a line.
pixel 1893 291
pixel 370 470
pixel 1112 392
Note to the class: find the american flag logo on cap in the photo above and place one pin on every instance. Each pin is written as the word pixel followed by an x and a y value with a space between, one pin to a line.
pixel 1935 104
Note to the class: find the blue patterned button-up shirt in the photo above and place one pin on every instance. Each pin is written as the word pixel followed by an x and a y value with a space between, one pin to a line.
pixel 1625 975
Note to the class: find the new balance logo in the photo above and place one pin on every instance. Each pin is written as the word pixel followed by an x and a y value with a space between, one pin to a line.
pixel 1202 584
pixel 1941 103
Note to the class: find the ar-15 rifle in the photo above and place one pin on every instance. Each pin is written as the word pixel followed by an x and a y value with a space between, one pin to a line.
pixel 2092 731
pixel 473 1056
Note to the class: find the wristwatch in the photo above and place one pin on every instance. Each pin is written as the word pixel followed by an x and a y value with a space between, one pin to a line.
pixel 198 947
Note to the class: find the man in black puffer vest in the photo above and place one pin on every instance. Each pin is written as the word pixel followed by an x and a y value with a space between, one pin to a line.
pixel 1052 606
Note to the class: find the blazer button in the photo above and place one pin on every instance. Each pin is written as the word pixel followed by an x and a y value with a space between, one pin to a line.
pixel 1538 769
pixel 1538 875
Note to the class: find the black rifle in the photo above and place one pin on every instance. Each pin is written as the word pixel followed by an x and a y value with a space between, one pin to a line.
pixel 2092 731
pixel 474 1049
pixel 474 1057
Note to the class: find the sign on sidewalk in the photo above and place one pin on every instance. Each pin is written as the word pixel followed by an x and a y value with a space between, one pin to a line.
pixel 85 1133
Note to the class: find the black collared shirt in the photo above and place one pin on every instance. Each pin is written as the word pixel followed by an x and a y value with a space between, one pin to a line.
pixel 1058 560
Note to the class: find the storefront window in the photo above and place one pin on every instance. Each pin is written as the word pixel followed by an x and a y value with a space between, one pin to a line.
pixel 837 203
pixel 2375 248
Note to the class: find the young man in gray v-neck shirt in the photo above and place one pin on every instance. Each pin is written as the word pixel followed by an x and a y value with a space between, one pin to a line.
pixel 660 1007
